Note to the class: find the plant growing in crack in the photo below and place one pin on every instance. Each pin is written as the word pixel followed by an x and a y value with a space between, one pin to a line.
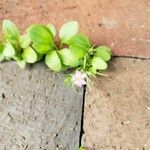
pixel 74 53
pixel 81 148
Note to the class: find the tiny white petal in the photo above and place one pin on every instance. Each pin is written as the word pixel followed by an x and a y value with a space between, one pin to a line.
pixel 79 78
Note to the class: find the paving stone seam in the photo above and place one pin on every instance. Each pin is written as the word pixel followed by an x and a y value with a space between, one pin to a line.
pixel 133 57
pixel 82 117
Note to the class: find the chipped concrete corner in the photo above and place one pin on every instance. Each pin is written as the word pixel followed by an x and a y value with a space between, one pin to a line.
pixel 37 111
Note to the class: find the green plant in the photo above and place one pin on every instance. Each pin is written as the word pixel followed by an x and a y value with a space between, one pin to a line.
pixel 81 148
pixel 74 51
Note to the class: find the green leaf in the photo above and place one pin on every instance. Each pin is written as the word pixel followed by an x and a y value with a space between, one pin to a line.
pixel 79 53
pixel 92 70
pixel 39 57
pixel 1 52
pixel 99 63
pixel 68 80
pixel 40 34
pixel 41 48
pixel 1 47
pixel 10 31
pixel 29 55
pixel 51 27
pixel 81 148
pixel 21 63
pixel 1 57
pixel 68 58
pixel 68 30
pixel 9 50
pixel 18 56
pixel 103 53
pixel 81 40
pixel 8 58
pixel 25 41
pixel 19 60
pixel 53 61
pixel 64 67
pixel 79 44
pixel 105 48
pixel 42 38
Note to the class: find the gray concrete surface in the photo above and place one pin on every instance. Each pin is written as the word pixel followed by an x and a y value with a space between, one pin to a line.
pixel 37 112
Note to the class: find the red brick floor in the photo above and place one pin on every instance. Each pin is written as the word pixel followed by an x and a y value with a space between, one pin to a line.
pixel 124 25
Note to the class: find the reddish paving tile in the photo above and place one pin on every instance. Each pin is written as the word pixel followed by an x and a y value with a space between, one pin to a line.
pixel 122 25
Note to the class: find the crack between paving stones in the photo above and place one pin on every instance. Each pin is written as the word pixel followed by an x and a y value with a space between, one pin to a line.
pixel 134 57
pixel 82 118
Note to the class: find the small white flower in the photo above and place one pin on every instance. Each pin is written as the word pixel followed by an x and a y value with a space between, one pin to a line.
pixel 79 78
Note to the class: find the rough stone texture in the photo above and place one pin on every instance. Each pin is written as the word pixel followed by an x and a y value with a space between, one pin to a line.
pixel 37 112
pixel 124 25
pixel 117 109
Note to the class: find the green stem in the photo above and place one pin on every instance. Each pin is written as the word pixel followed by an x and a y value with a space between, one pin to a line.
pixel 61 45
pixel 55 46
pixel 84 63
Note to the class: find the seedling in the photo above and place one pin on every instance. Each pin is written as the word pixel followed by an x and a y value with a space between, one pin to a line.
pixel 75 52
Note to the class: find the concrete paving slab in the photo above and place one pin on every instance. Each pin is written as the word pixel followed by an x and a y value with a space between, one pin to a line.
pixel 37 111
pixel 117 108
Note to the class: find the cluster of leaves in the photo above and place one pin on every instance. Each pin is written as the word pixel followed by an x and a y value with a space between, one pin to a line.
pixel 74 50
